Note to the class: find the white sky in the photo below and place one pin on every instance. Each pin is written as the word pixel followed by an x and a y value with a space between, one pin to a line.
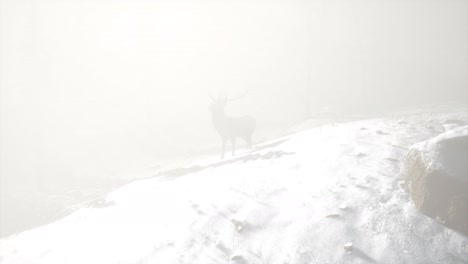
pixel 93 87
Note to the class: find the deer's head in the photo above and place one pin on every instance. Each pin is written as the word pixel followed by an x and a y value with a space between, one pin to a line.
pixel 218 104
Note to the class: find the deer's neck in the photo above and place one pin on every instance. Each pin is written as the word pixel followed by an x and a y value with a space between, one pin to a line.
pixel 219 117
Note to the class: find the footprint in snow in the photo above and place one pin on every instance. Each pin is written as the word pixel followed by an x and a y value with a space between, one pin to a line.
pixel 220 245
pixel 392 159
pixel 197 209
pixel 238 225
pixel 380 132
pixel 360 155
pixel 333 216
pixel 238 259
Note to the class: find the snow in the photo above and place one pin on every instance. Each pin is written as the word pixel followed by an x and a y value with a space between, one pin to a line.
pixel 304 198
pixel 447 152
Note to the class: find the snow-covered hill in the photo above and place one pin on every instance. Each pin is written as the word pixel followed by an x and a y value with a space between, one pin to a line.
pixel 294 200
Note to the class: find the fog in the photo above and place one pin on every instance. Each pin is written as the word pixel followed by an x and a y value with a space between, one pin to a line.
pixel 111 89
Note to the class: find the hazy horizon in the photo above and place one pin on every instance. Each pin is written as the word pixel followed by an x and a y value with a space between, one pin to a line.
pixel 94 88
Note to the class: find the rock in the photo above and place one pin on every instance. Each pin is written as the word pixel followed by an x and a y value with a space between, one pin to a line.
pixel 348 247
pixel 436 178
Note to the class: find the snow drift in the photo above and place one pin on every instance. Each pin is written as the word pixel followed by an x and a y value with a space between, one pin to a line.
pixel 331 194
pixel 437 177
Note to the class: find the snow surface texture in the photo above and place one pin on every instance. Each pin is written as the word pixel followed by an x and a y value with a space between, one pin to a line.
pixel 331 194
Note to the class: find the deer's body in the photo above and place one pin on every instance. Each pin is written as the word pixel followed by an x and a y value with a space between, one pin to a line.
pixel 230 128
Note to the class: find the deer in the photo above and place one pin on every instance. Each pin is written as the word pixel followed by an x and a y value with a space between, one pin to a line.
pixel 229 128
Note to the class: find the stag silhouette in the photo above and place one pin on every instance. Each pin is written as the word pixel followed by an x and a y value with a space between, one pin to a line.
pixel 230 128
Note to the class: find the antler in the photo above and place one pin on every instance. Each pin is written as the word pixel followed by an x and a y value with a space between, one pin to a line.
pixel 218 98
pixel 212 98
pixel 223 97
pixel 238 97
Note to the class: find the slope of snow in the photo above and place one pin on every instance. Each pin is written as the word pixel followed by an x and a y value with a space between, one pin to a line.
pixel 297 199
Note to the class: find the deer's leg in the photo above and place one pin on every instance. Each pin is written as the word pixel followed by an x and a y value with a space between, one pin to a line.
pixel 249 142
pixel 233 142
pixel 224 147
